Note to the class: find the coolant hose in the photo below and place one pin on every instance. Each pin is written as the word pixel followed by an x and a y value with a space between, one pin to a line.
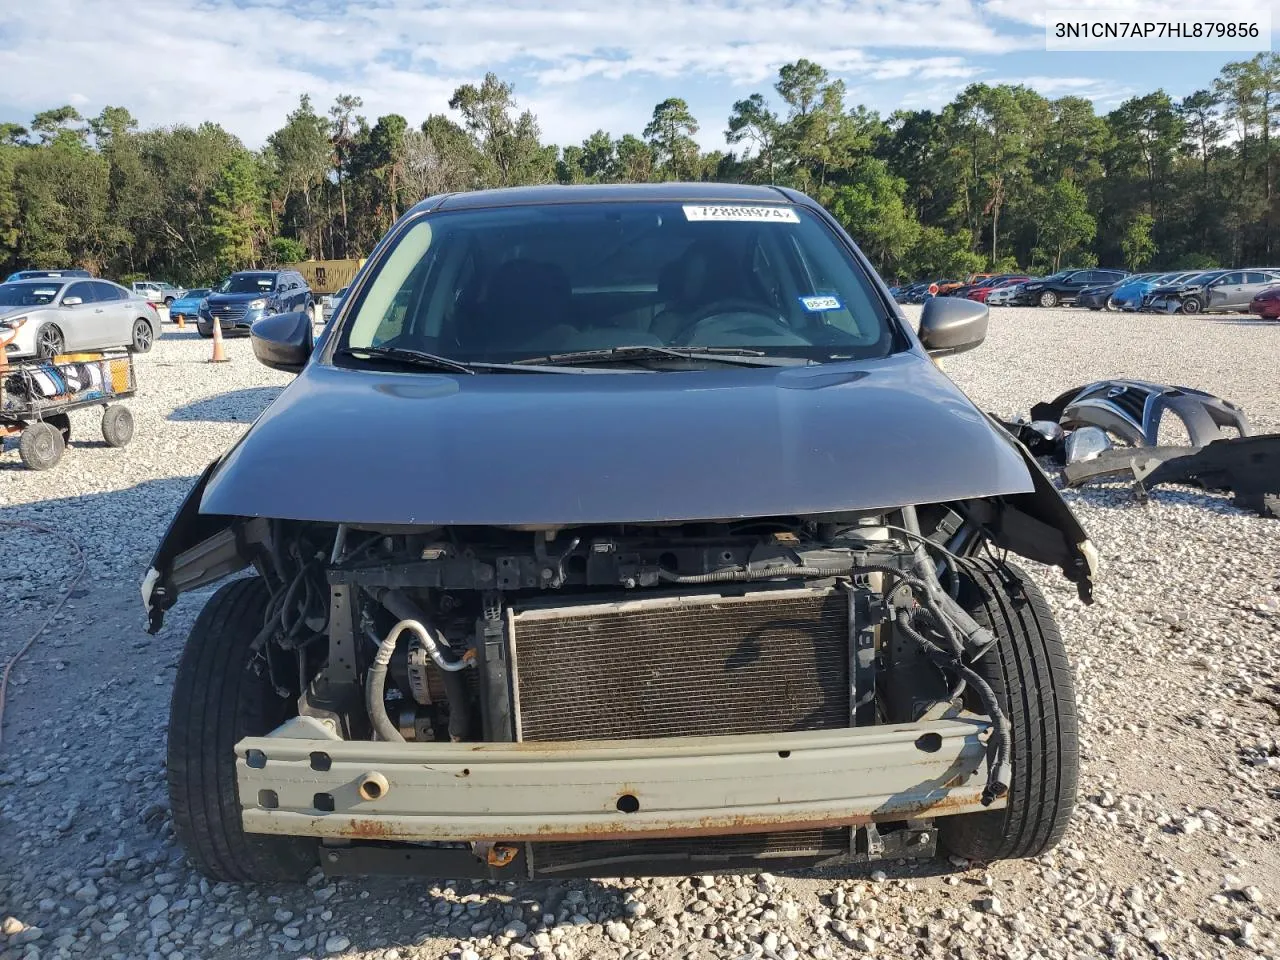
pixel 455 688
pixel 375 685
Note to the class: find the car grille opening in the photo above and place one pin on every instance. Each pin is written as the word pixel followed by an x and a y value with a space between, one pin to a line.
pixel 228 311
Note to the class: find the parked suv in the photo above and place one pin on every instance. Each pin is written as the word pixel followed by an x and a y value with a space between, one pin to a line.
pixel 650 537
pixel 1065 285
pixel 251 295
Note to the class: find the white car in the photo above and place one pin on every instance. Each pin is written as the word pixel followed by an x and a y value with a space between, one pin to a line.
pixel 157 292
pixel 1003 296
pixel 43 318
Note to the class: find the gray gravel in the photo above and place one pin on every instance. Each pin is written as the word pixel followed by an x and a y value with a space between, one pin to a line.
pixel 1174 852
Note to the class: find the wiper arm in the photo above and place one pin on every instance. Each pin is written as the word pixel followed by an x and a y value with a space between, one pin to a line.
pixel 741 355
pixel 418 358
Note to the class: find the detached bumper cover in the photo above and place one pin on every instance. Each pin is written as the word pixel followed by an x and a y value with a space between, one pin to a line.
pixel 582 790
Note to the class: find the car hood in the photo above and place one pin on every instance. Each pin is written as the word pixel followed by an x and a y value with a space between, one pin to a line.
pixel 1176 288
pixel 19 311
pixel 362 446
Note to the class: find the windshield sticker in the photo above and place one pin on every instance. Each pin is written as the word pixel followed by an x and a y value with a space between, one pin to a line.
pixel 701 213
pixel 820 304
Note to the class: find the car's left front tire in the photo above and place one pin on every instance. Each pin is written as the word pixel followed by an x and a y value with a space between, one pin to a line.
pixel 222 694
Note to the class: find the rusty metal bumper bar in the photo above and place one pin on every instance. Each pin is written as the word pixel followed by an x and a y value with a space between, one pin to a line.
pixel 301 780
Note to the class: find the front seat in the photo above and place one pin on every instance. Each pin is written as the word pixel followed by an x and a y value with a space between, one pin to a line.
pixel 527 304
pixel 706 273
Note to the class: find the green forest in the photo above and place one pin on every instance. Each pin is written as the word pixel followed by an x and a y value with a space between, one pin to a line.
pixel 1000 178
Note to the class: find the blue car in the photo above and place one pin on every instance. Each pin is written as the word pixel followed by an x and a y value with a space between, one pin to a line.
pixel 1129 296
pixel 188 305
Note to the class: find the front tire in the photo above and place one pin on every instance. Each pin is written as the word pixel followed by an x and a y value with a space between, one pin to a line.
pixel 1048 299
pixel 41 445
pixel 49 342
pixel 222 694
pixel 1028 671
pixel 1191 305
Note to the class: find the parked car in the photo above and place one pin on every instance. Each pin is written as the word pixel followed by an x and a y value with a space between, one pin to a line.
pixel 1266 304
pixel 157 292
pixel 53 316
pixel 527 549
pixel 983 292
pixel 987 283
pixel 1065 285
pixel 1129 294
pixel 187 306
pixel 1099 297
pixel 948 287
pixel 250 295
pixel 331 302
pixel 49 274
pixel 1212 292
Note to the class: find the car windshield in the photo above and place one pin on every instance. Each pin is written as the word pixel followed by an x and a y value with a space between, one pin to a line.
pixel 499 285
pixel 27 294
pixel 197 292
pixel 248 283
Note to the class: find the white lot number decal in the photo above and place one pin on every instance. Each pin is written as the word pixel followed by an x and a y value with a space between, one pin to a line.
pixel 820 303
pixel 698 212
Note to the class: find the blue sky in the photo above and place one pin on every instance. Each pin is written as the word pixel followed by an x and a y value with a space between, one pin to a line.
pixel 579 65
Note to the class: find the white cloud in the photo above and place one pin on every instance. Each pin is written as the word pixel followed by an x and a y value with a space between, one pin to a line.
pixel 581 65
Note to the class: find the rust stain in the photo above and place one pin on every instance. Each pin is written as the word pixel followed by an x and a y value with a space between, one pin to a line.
pixel 370 828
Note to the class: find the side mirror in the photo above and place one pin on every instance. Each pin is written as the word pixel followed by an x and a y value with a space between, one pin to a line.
pixel 283 341
pixel 71 301
pixel 949 325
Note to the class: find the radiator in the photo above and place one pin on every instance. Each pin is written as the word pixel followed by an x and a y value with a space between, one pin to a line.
pixel 686 665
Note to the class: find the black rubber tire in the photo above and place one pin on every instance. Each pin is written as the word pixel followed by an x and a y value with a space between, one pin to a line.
pixel 62 423
pixel 1029 673
pixel 1048 299
pixel 205 332
pixel 49 341
pixel 143 337
pixel 168 301
pixel 117 426
pixel 221 695
pixel 41 445
pixel 1191 305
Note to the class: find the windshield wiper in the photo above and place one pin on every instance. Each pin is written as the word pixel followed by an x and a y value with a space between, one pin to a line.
pixel 740 355
pixel 419 358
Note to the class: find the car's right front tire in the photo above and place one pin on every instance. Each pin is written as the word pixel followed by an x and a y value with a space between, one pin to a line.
pixel 1027 670
pixel 222 694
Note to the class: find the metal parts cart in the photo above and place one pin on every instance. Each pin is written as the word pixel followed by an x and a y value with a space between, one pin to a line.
pixel 37 396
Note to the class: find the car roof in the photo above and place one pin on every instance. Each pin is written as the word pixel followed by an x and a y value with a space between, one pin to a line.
pixel 611 192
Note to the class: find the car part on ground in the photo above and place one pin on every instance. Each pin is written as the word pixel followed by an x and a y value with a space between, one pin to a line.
pixel 1132 410
pixel 1247 467
pixel 425 652
pixel 1085 443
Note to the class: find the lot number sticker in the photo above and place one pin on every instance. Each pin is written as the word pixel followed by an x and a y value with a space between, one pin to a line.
pixel 819 304
pixel 700 213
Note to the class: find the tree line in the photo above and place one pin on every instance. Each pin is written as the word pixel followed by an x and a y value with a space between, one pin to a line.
pixel 1001 178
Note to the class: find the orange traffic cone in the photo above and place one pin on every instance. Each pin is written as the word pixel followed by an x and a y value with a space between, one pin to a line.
pixel 219 354
pixel 182 323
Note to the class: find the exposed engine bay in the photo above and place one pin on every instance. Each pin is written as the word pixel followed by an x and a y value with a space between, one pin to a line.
pixel 780 625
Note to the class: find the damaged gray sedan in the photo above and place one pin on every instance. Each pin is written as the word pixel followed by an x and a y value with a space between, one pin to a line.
pixel 612 531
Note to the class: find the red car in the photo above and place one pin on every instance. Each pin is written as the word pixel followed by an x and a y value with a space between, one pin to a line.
pixel 1266 304
pixel 981 293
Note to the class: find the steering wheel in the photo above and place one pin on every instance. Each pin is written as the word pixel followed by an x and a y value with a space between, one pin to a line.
pixel 729 305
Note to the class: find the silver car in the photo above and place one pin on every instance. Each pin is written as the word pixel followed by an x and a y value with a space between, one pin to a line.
pixel 43 318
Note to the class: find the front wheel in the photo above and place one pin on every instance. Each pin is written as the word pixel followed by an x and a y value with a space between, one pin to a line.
pixel 117 426
pixel 1191 305
pixel 40 446
pixel 1048 299
pixel 143 337
pixel 49 342
pixel 221 695
pixel 1028 671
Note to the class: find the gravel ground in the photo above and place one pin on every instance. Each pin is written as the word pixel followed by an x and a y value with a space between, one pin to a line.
pixel 1173 853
